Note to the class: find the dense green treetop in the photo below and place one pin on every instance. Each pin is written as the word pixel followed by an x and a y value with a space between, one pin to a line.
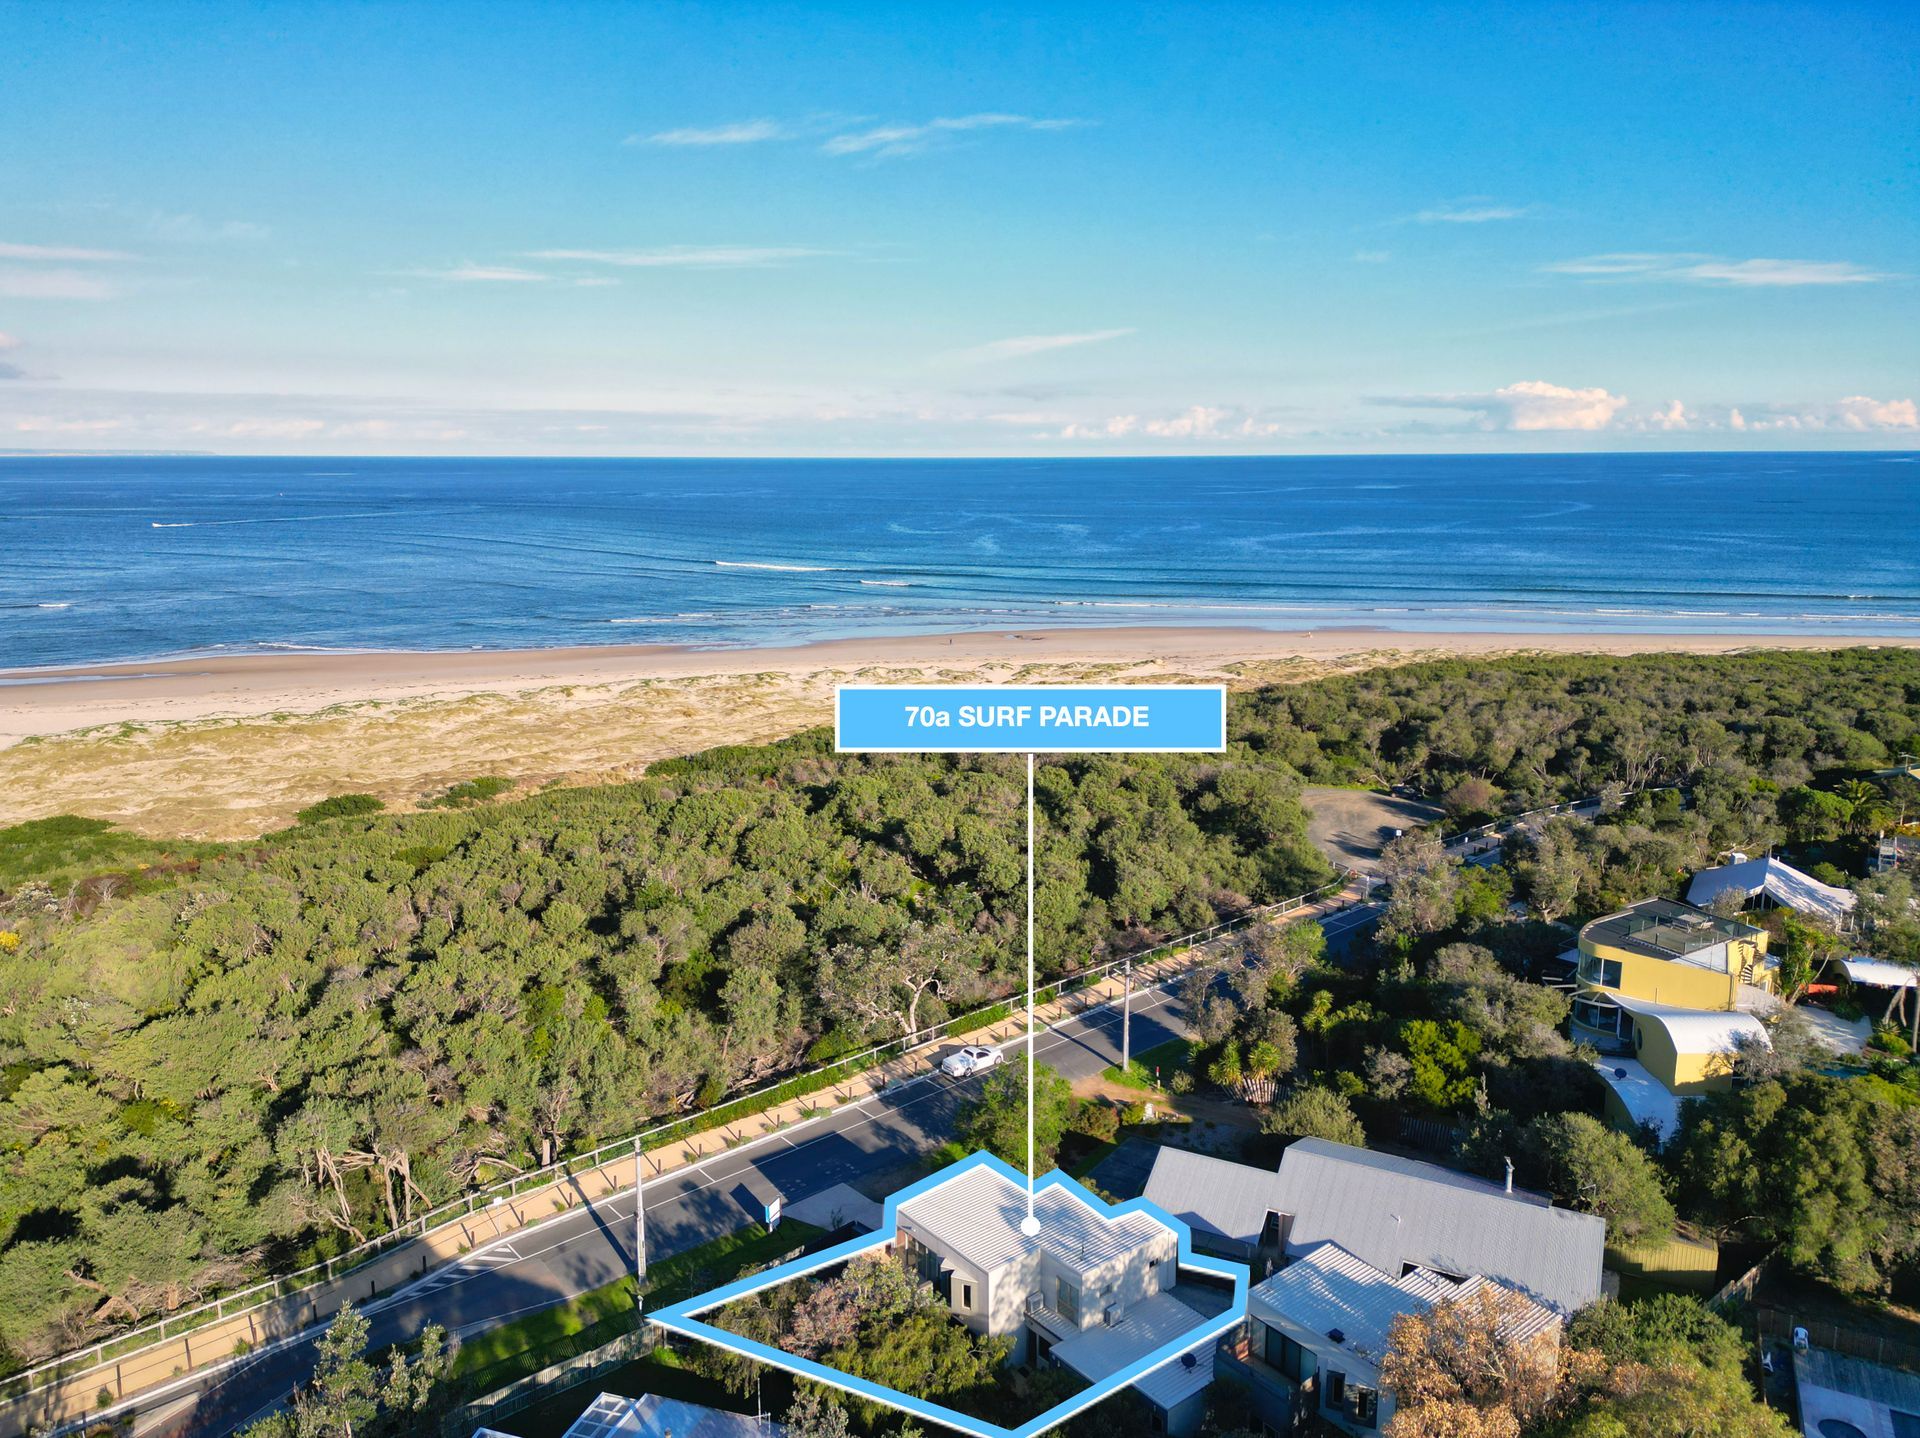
pixel 219 1061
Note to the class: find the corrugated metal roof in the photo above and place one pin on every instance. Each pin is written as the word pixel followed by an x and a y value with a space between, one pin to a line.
pixel 1330 1291
pixel 1520 1317
pixel 1875 1382
pixel 1698 1031
pixel 1391 1212
pixel 1878 972
pixel 1212 1195
pixel 1095 1352
pixel 1778 880
pixel 976 1217
pixel 1176 1382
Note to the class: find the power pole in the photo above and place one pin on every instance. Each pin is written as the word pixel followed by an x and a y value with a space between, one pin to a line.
pixel 639 1226
pixel 1126 1021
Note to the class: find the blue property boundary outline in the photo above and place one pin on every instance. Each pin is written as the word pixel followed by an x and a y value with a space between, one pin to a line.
pixel 681 1317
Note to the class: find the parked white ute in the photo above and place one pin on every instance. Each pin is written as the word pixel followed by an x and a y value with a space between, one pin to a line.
pixel 969 1061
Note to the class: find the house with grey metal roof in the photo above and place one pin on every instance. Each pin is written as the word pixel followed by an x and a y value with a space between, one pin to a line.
pixel 1233 1209
pixel 1394 1214
pixel 1323 1326
pixel 1400 1213
pixel 1844 1397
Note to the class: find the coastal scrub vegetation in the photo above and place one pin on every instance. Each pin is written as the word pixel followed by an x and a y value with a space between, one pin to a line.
pixel 223 1061
pixel 875 1319
pixel 1662 1367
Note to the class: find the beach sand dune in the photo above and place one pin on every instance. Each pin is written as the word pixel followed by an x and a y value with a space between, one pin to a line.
pixel 232 747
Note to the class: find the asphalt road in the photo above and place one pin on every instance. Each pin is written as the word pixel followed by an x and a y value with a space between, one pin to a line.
pixel 593 1245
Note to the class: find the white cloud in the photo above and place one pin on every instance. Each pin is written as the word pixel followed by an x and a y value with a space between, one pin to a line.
pixel 193 230
pixel 485 275
pixel 1674 416
pixel 1196 422
pixel 9 370
pixel 744 132
pixel 1535 405
pixel 66 254
pixel 8 342
pixel 36 284
pixel 693 257
pixel 50 424
pixel 1859 412
pixel 1529 405
pixel 274 428
pixel 1856 414
pixel 885 141
pixel 1702 269
pixel 1022 345
pixel 1471 214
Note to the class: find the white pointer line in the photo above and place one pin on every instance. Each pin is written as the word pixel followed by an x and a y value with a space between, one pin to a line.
pixel 1031 1227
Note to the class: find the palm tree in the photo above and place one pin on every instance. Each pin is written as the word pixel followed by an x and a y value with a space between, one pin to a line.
pixel 1867 804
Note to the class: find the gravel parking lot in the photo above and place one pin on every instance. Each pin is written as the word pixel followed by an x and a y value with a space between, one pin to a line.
pixel 1352 825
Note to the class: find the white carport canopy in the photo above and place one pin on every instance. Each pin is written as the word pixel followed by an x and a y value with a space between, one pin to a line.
pixel 1878 973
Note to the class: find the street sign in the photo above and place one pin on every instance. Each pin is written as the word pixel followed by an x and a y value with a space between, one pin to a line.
pixel 773 1214
pixel 1030 718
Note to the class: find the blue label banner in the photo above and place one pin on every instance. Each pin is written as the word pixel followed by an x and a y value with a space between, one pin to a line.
pixel 1030 719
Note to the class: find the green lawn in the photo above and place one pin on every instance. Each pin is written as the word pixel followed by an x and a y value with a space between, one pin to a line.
pixel 529 1343
pixel 660 1372
pixel 524 1345
pixel 724 1259
pixel 1167 1057
pixel 1078 1164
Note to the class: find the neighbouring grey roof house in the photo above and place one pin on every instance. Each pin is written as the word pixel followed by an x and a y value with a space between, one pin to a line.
pixel 1841 1397
pixel 1325 1322
pixel 1393 1214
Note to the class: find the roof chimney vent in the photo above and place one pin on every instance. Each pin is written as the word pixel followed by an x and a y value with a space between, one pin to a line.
pixel 1337 1335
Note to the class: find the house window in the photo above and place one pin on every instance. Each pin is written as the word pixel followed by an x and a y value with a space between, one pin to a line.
pixel 1604 1017
pixel 1596 970
pixel 966 1296
pixel 1333 1391
pixel 1289 1357
pixel 1272 1232
pixel 1067 1302
pixel 1363 1406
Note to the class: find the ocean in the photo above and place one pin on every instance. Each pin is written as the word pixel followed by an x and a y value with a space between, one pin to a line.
pixel 118 558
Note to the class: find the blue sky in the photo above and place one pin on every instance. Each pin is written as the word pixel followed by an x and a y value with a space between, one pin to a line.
pixel 929 229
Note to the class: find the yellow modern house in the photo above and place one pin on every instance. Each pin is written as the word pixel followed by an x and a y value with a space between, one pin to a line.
pixel 1667 993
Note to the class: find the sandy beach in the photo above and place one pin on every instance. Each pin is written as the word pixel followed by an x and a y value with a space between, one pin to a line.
pixel 233 746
